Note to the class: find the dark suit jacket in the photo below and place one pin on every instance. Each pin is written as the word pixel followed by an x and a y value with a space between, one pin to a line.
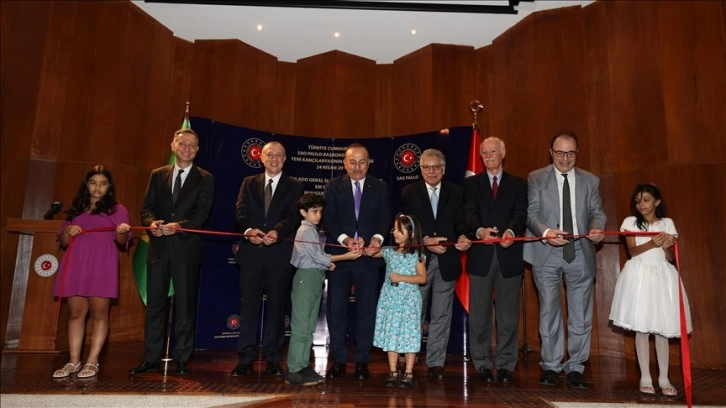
pixel 508 211
pixel 191 211
pixel 374 217
pixel 282 216
pixel 449 220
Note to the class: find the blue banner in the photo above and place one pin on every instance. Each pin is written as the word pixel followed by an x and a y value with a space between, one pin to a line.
pixel 232 153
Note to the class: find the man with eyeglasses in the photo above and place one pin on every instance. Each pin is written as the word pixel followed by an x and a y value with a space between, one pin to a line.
pixel 266 212
pixel 495 206
pixel 564 203
pixel 437 204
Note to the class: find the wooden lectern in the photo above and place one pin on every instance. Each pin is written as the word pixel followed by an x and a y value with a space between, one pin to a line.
pixel 32 322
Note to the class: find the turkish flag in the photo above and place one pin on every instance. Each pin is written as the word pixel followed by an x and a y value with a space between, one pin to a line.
pixel 474 166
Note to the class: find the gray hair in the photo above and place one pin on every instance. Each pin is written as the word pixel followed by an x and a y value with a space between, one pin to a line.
pixel 435 153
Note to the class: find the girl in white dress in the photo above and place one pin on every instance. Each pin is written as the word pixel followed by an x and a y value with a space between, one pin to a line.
pixel 646 293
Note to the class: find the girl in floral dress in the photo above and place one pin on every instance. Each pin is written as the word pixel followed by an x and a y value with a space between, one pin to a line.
pixel 398 315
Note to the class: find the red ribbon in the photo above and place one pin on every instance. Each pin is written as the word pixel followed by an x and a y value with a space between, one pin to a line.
pixel 685 348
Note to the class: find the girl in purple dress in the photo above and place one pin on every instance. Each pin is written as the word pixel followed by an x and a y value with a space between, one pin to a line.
pixel 89 278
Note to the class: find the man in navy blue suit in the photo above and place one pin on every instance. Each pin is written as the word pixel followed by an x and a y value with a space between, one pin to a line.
pixel 357 214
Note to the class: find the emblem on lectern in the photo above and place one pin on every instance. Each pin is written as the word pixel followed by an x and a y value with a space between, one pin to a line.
pixel 46 265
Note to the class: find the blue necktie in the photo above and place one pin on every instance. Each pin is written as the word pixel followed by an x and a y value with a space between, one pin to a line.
pixel 357 197
pixel 434 201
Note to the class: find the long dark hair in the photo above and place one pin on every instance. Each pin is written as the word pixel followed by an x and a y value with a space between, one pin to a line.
pixel 414 244
pixel 82 200
pixel 660 209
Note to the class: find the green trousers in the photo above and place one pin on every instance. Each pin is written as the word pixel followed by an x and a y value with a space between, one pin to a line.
pixel 307 290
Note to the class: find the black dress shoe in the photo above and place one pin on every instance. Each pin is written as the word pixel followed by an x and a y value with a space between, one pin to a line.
pixel 242 369
pixel 273 368
pixel 180 367
pixel 504 376
pixel 361 371
pixel 337 370
pixel 485 374
pixel 436 372
pixel 144 367
pixel 549 377
pixel 576 380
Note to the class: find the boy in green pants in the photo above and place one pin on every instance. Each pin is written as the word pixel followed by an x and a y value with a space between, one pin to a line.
pixel 311 262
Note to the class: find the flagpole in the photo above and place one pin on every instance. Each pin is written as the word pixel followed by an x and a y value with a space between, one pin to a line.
pixel 167 359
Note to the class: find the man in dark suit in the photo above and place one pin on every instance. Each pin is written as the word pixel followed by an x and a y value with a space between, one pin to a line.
pixel 443 263
pixel 266 212
pixel 357 214
pixel 177 196
pixel 554 191
pixel 495 205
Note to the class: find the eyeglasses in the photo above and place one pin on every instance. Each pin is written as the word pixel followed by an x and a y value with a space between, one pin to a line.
pixel 434 167
pixel 559 153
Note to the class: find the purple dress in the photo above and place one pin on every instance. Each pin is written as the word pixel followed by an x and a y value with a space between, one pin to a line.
pixel 93 266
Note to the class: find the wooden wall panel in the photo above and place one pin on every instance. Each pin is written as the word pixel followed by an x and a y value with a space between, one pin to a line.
pixel 412 99
pixel 636 92
pixel 383 105
pixel 334 96
pixel 640 82
pixel 539 87
pixel 285 90
pixel 694 84
pixel 453 85
pixel 21 56
pixel 226 84
pixel 484 92
pixel 597 88
pixel 609 341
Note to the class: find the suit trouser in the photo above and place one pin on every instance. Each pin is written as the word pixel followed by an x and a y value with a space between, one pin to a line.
pixel 442 298
pixel 506 303
pixel 578 284
pixel 272 278
pixel 367 284
pixel 307 290
pixel 185 278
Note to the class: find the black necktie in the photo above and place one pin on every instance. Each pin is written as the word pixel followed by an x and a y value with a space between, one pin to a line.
pixel 568 251
pixel 268 196
pixel 177 186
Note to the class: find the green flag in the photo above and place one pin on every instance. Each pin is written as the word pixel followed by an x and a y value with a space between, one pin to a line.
pixel 140 254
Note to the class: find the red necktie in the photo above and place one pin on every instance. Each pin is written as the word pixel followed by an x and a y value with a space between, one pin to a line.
pixel 495 187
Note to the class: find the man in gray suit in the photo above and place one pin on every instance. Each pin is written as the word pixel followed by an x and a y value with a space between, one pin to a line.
pixel 564 201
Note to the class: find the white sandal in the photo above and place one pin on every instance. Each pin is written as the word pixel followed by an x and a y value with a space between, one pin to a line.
pixel 89 370
pixel 67 370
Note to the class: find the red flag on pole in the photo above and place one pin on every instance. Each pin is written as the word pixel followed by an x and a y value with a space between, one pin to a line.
pixel 473 166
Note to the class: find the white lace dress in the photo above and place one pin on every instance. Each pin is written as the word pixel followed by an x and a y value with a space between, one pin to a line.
pixel 646 293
